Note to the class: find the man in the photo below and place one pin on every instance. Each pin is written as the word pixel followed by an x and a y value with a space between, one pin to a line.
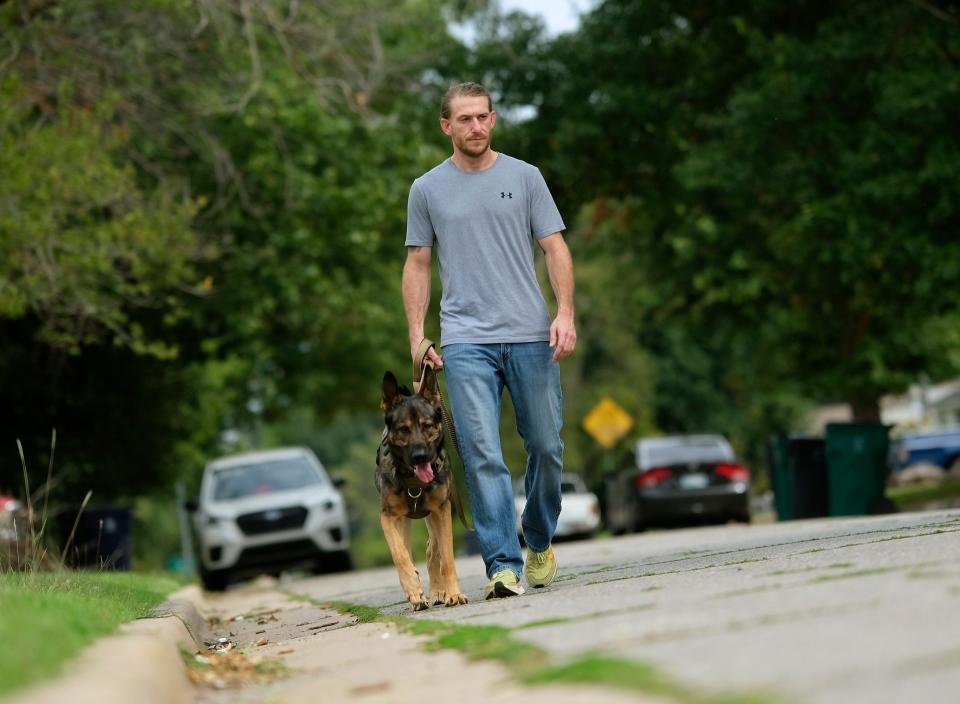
pixel 483 211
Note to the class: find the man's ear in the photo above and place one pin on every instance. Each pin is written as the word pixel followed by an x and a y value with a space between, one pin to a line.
pixel 392 394
pixel 445 126
pixel 429 386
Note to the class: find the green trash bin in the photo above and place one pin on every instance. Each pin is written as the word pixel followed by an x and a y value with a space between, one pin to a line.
pixel 781 479
pixel 857 468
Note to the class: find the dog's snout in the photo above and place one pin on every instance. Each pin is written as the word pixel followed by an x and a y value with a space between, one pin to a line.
pixel 419 454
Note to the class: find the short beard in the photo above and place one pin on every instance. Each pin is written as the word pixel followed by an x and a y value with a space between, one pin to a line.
pixel 471 151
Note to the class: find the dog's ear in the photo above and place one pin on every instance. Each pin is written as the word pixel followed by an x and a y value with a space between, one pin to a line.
pixel 429 386
pixel 392 393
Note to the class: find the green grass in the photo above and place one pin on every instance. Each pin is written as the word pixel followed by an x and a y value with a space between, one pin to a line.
pixel 47 618
pixel 534 666
pixel 908 497
pixel 363 614
pixel 638 677
pixel 481 643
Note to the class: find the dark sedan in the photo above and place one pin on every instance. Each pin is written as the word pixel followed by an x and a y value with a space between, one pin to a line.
pixel 677 479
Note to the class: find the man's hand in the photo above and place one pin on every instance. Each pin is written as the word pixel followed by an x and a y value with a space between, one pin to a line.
pixel 563 336
pixel 432 353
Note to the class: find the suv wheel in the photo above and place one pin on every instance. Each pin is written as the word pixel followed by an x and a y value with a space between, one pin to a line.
pixel 214 580
pixel 333 562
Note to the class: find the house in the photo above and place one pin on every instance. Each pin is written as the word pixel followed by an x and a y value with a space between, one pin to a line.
pixel 923 408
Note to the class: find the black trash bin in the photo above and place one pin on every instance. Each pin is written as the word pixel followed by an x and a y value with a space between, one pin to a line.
pixel 102 537
pixel 807 458
pixel 799 476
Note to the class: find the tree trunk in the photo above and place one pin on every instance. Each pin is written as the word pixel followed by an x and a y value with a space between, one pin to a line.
pixel 865 409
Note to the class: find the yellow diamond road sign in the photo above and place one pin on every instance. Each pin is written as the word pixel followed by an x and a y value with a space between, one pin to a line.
pixel 607 422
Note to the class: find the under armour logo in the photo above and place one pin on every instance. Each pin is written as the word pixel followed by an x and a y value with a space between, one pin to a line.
pixel 506 195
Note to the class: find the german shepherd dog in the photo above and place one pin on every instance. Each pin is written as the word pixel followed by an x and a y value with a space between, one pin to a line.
pixel 415 481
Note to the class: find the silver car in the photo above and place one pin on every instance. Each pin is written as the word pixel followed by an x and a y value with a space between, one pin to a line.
pixel 263 512
pixel 579 508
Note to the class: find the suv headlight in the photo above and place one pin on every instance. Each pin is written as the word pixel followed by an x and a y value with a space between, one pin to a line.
pixel 327 505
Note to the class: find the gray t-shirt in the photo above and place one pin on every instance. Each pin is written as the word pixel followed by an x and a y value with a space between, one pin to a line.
pixel 484 225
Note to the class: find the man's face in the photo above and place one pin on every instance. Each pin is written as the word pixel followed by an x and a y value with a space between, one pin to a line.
pixel 470 124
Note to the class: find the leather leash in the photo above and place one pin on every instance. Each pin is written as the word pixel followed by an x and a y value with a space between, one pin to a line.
pixel 420 364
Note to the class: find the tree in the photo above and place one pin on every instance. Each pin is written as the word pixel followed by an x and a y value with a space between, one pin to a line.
pixel 82 245
pixel 230 230
pixel 829 186
pixel 778 174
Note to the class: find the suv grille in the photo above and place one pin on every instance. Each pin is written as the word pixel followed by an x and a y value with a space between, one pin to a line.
pixel 272 520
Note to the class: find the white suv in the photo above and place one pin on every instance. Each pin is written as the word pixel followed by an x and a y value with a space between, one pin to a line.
pixel 262 512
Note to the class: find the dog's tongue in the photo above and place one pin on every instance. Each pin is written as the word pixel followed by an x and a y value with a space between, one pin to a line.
pixel 424 472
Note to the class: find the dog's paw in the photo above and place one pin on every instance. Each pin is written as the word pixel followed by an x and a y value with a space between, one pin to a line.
pixel 457 599
pixel 453 598
pixel 419 602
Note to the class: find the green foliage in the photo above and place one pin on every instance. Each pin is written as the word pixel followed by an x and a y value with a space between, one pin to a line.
pixel 824 178
pixel 202 222
pixel 155 534
pixel 81 245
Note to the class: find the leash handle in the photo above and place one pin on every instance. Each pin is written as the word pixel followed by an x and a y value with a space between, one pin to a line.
pixel 420 362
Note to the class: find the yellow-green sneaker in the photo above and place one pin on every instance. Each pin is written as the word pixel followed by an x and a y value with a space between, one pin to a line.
pixel 504 583
pixel 540 567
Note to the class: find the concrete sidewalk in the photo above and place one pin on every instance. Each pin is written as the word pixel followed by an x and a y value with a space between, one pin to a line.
pixel 859 610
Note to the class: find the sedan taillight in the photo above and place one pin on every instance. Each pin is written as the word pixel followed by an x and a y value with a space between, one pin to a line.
pixel 652 477
pixel 733 472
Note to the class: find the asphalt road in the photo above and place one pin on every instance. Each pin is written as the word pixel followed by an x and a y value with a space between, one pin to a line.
pixel 857 610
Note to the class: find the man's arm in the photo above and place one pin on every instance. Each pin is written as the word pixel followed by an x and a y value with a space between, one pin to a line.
pixel 416 297
pixel 563 332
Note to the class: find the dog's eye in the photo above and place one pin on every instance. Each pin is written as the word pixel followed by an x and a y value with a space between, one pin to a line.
pixel 403 430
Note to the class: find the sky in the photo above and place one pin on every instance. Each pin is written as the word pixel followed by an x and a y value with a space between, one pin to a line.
pixel 560 15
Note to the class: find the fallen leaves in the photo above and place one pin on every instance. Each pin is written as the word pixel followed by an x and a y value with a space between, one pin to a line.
pixel 224 666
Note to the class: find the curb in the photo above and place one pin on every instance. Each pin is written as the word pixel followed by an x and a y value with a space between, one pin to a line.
pixel 183 605
pixel 140 663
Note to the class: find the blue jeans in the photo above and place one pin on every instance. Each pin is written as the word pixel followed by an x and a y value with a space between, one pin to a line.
pixel 476 375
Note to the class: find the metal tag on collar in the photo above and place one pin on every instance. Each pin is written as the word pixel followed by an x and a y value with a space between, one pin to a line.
pixel 415 497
